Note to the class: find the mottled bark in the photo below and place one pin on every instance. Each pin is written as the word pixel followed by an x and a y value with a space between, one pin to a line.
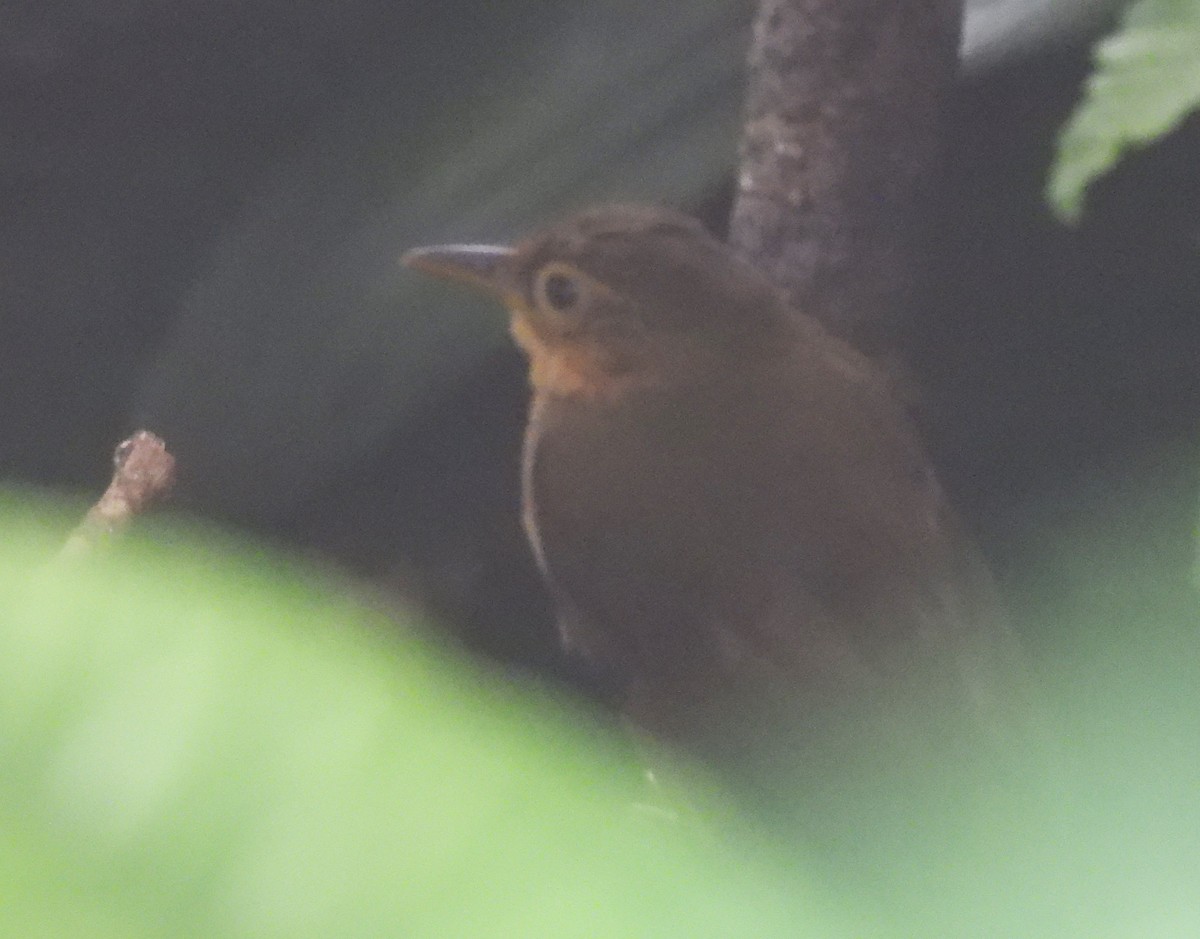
pixel 840 153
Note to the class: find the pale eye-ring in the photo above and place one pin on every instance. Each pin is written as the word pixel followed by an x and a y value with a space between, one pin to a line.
pixel 558 289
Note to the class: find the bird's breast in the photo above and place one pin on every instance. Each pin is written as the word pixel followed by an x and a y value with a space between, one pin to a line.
pixel 648 515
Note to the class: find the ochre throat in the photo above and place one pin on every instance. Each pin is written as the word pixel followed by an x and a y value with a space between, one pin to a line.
pixel 567 367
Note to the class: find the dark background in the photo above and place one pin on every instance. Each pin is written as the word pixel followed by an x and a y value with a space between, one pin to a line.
pixel 202 205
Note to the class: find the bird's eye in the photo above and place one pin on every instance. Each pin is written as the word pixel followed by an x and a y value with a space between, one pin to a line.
pixel 559 291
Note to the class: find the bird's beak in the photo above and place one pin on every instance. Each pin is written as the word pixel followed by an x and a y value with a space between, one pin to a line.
pixel 486 267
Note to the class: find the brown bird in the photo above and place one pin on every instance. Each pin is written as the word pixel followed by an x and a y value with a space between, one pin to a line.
pixel 733 512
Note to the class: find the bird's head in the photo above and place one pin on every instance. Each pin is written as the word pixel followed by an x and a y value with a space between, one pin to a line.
pixel 619 296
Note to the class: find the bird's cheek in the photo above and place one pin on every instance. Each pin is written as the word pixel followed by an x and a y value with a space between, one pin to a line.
pixel 533 326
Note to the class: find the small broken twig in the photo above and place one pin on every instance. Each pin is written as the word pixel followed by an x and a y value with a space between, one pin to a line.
pixel 143 473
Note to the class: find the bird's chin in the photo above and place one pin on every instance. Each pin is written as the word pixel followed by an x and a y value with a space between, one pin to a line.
pixel 526 333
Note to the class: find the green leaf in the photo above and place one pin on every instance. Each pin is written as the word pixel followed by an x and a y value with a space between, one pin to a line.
pixel 199 740
pixel 1146 79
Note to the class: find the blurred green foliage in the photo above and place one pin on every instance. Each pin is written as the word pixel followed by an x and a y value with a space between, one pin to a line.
pixel 200 739
pixel 1145 80
pixel 197 739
